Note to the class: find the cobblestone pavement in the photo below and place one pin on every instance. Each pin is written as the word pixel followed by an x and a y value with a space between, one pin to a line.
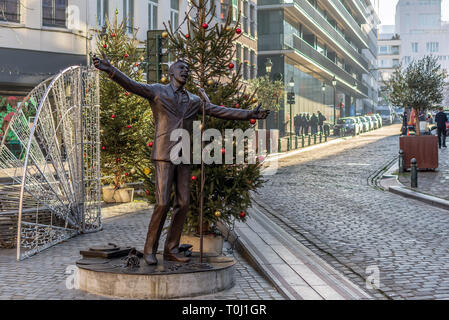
pixel 434 183
pixel 43 276
pixel 322 197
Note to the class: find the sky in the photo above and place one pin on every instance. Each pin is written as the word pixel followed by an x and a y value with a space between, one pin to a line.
pixel 387 9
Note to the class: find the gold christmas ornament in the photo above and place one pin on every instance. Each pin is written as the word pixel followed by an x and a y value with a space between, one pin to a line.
pixel 164 34
pixel 147 171
pixel 101 131
pixel 164 80
pixel 228 28
pixel 133 171
pixel 254 100
pixel 142 58
pixel 217 214
pixel 210 82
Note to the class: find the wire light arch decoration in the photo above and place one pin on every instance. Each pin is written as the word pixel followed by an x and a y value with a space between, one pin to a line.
pixel 53 191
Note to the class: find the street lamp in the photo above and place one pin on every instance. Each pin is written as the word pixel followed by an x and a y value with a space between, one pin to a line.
pixel 291 84
pixel 334 84
pixel 323 89
pixel 268 65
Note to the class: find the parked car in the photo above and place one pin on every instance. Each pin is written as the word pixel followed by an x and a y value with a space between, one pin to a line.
pixel 370 123
pixel 349 124
pixel 365 124
pixel 375 121
pixel 379 118
pixel 386 114
pixel 359 125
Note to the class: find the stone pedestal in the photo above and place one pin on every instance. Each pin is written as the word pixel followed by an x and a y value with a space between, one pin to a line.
pixel 167 280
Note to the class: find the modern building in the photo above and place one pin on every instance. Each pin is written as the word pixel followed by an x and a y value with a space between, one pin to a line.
pixel 389 57
pixel 318 43
pixel 39 38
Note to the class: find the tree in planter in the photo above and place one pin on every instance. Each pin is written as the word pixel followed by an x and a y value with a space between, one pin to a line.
pixel 419 86
pixel 126 119
pixel 209 53
pixel 268 92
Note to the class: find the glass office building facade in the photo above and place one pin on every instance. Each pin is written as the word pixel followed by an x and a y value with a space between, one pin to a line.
pixel 315 42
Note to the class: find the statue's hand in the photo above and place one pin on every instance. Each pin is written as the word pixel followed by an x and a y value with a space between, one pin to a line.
pixel 260 114
pixel 103 65
pixel 204 95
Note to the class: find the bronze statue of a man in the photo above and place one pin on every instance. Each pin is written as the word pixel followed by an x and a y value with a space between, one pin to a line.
pixel 173 108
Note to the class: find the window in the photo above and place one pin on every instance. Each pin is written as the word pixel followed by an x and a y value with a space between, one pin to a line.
pixel 235 10
pixel 102 11
pixel 433 47
pixel 407 60
pixel 128 14
pixel 152 14
pixel 244 17
pixel 54 13
pixel 414 47
pixel 174 13
pixel 245 63
pixel 252 61
pixel 9 10
pixel 252 20
pixel 383 50
pixel 395 63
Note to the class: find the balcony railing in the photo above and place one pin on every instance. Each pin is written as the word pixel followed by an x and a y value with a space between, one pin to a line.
pixel 323 24
pixel 324 62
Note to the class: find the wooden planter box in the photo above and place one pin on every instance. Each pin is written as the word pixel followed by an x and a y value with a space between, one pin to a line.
pixel 423 148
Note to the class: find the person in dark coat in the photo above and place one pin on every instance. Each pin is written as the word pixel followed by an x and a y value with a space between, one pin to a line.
pixel 303 123
pixel 297 123
pixel 321 120
pixel 314 123
pixel 306 124
pixel 441 119
pixel 404 123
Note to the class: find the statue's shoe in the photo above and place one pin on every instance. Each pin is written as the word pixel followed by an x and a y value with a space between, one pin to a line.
pixel 175 257
pixel 150 259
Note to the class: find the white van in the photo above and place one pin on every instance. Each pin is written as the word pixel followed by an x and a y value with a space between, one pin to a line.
pixel 386 113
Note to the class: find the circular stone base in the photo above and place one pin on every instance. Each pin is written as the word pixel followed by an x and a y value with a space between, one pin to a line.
pixel 166 280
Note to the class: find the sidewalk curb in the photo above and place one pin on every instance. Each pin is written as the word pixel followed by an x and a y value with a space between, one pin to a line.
pixel 392 184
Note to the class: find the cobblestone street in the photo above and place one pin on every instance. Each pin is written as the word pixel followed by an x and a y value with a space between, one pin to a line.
pixel 323 198
pixel 43 276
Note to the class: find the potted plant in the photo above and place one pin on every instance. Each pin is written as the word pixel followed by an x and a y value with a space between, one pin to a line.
pixel 419 87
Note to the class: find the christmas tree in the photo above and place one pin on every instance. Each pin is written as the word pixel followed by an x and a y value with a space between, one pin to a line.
pixel 126 119
pixel 209 52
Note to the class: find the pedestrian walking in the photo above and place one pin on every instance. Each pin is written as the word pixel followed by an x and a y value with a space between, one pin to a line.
pixel 321 120
pixel 441 119
pixel 297 124
pixel 404 123
pixel 314 123
pixel 306 124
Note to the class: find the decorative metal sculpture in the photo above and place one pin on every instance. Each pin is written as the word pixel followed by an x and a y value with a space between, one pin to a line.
pixel 53 192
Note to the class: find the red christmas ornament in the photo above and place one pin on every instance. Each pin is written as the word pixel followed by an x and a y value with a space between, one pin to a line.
pixel 237 105
pixel 194 178
pixel 103 148
pixel 147 192
pixel 126 55
pixel 238 31
pixel 223 151
pixel 222 105
pixel 205 26
pixel 150 144
pixel 253 121
pixel 242 214
pixel 113 116
pixel 231 66
pixel 118 159
pixel 187 36
pixel 113 35
pixel 105 46
pixel 127 93
pixel 129 127
pixel 126 174
pixel 137 64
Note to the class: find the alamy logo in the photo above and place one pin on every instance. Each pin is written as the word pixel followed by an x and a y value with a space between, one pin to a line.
pixel 71 282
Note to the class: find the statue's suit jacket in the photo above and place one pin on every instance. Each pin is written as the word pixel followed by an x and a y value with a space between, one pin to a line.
pixel 169 114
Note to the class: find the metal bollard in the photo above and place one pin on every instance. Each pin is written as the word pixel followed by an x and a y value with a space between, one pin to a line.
pixel 321 137
pixel 288 144
pixel 310 140
pixel 325 137
pixel 314 138
pixel 296 142
pixel 414 174
pixel 401 161
pixel 279 145
pixel 302 141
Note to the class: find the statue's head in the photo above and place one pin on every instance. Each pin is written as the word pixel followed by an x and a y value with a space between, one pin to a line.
pixel 179 71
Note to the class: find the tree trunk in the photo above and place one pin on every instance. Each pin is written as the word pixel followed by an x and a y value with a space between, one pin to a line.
pixel 417 129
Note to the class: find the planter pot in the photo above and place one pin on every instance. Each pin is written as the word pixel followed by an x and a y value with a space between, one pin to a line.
pixel 124 195
pixel 423 148
pixel 212 244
